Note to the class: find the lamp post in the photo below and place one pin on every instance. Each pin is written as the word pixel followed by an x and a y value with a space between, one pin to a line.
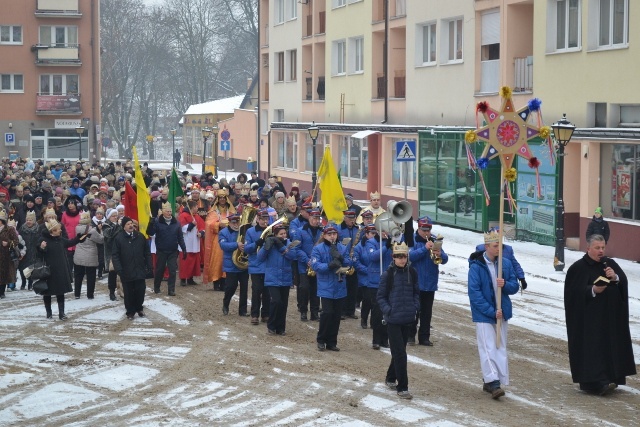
pixel 80 131
pixel 214 131
pixel 562 133
pixel 206 133
pixel 313 133
pixel 173 146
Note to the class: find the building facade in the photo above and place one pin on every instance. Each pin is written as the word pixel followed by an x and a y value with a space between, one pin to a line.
pixel 50 78
pixel 371 73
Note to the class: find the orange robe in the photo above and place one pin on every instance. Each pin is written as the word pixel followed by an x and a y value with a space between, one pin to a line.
pixel 212 252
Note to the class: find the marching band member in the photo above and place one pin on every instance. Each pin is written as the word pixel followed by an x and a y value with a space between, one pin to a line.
pixel 308 235
pixel 228 243
pixel 259 294
pixel 360 263
pixel 349 229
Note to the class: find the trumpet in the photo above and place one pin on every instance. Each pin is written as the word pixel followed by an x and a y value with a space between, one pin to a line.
pixel 437 245
pixel 310 272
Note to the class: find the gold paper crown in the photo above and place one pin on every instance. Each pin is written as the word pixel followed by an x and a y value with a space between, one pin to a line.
pixel 210 195
pixel 51 224
pixel 253 193
pixel 291 200
pixel 166 206
pixel 246 185
pixel 491 237
pixel 295 184
pixel 244 192
pixel 374 195
pixel 401 248
pixel 32 214
pixel 222 192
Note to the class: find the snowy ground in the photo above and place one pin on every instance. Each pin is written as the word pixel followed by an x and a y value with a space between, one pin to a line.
pixel 185 364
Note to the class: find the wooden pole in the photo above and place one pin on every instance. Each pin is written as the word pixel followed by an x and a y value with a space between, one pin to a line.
pixel 500 234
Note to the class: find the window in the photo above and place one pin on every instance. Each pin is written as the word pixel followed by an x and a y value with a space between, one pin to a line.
pixel 292 64
pixel 613 23
pixel 279 58
pixel 292 9
pixel 278 115
pixel 452 39
pixel 398 170
pixel 356 55
pixel 567 24
pixel 11 83
pixel 620 180
pixel 288 150
pixel 59 36
pixel 58 84
pixel 354 157
pixel 321 143
pixel 10 34
pixel 279 12
pixel 339 3
pixel 426 44
pixel 339 57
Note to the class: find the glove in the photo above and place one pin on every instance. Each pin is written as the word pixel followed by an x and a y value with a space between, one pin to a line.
pixel 523 283
pixel 278 242
pixel 259 242
pixel 184 256
pixel 268 242
pixel 334 265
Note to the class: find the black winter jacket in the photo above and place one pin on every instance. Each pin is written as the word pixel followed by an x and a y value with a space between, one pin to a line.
pixel 399 295
pixel 168 236
pixel 131 256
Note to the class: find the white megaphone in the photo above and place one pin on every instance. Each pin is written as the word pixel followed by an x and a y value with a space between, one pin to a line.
pixel 385 223
pixel 400 212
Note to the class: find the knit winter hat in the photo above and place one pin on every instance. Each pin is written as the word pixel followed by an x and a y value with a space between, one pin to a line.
pixel 598 210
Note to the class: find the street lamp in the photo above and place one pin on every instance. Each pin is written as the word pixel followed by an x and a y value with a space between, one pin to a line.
pixel 80 131
pixel 173 146
pixel 562 133
pixel 313 133
pixel 214 131
pixel 206 133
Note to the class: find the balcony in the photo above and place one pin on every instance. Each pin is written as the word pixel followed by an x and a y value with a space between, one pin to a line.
pixel 399 84
pixel 381 91
pixel 58 104
pixel 57 55
pixel 57 9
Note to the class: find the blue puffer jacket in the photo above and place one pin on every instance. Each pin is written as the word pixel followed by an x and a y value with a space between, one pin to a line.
pixel 328 285
pixel 296 224
pixel 421 260
pixel 372 252
pixel 250 248
pixel 507 252
pixel 228 243
pixel 168 236
pixel 401 303
pixel 308 238
pixel 480 288
pixel 360 263
pixel 277 264
pixel 344 231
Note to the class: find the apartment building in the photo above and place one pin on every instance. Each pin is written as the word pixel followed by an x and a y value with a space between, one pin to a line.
pixel 50 78
pixel 371 73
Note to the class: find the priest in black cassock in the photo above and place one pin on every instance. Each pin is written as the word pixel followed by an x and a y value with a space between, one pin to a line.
pixel 600 351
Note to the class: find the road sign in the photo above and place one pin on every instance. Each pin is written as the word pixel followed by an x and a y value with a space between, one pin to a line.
pixel 225 145
pixel 106 142
pixel 406 151
pixel 10 138
pixel 225 135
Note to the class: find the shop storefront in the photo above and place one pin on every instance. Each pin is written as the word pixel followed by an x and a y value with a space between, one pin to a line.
pixel 58 144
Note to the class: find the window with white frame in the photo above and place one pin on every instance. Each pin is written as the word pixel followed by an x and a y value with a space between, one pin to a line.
pixel 278 115
pixel 356 54
pixel 11 83
pixel 292 64
pixel 288 150
pixel 613 25
pixel 292 9
pixel 354 157
pixel 339 53
pixel 563 25
pixel 278 12
pixel 279 69
pixel 426 44
pixel 398 168
pixel 59 84
pixel 321 143
pixel 452 39
pixel 59 36
pixel 338 3
pixel 10 34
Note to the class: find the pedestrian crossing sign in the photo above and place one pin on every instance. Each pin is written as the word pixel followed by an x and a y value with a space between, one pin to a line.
pixel 405 151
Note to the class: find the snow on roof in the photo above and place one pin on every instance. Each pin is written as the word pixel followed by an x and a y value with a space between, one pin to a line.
pixel 219 106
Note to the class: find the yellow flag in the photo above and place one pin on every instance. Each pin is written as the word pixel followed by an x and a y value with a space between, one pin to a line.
pixel 144 200
pixel 331 194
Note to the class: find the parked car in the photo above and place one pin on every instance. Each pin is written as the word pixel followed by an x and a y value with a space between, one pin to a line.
pixel 460 201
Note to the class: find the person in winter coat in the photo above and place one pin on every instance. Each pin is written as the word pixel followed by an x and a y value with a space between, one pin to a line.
pixel 8 240
pixel 277 255
pixel 228 239
pixel 30 232
pixel 507 252
pixel 330 260
pixel 192 232
pixel 28 205
pixel 99 218
pixel 428 274
pixel 70 220
pixel 85 259
pixel 360 261
pixel 110 230
pixel 168 234
pixel 483 283
pixel 260 297
pixel 307 296
pixel 131 260
pixel 52 247
pixel 598 225
pixel 399 300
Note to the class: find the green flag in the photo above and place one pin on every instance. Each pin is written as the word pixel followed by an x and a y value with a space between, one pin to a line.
pixel 175 190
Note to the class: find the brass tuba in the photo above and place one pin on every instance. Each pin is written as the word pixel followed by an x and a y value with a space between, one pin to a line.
pixel 240 258
pixel 437 245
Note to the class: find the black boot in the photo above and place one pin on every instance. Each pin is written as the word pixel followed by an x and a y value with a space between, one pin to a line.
pixel 112 296
pixel 47 306
pixel 61 314
pixel 183 282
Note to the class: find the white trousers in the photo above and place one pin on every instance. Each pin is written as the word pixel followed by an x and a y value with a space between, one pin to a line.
pixel 493 361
